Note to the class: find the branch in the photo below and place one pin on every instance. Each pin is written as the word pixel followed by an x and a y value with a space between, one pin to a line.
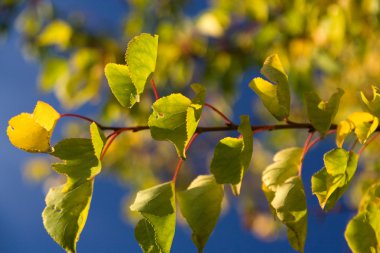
pixel 232 127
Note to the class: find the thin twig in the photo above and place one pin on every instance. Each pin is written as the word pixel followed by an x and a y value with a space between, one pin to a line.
pixel 304 151
pixel 368 142
pixel 180 161
pixel 154 89
pixel 316 140
pixel 226 119
pixel 110 140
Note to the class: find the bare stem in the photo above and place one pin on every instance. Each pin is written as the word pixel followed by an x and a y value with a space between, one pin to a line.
pixel 304 151
pixel 154 89
pixel 226 119
pixel 315 141
pixel 368 142
pixel 110 140
pixel 180 161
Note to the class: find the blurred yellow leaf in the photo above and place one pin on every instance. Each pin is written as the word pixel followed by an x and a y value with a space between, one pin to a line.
pixel 56 33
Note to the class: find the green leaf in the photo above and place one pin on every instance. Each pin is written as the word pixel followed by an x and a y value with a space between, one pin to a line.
pixel 32 132
pixel 363 123
pixel 66 213
pixel 276 95
pixel 201 204
pixel 286 164
pixel 175 118
pixel 330 183
pixel 372 102
pixel 121 84
pixel 286 196
pixel 232 156
pixel 363 231
pixel 67 205
pixel 288 204
pixel 322 113
pixel 141 59
pixel 145 235
pixel 155 231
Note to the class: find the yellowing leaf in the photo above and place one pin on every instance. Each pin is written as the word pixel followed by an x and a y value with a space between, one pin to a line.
pixel 32 132
pixel 373 101
pixel 362 123
pixel 57 33
pixel 330 183
pixel 67 205
pixel 276 95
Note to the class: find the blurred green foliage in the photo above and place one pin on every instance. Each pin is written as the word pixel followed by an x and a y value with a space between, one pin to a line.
pixel 323 45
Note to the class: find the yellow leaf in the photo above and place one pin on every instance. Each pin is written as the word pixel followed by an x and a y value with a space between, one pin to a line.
pixel 345 127
pixel 32 132
pixel 363 123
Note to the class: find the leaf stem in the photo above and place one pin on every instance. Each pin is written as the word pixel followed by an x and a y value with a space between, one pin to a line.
pixel 154 89
pixel 368 142
pixel 304 151
pixel 316 140
pixel 72 115
pixel 180 161
pixel 110 140
pixel 226 119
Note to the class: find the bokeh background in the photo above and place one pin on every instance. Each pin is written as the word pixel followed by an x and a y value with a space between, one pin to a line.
pixel 221 44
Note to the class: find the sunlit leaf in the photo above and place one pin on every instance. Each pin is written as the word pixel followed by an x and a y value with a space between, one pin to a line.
pixel 56 33
pixel 362 123
pixel 363 231
pixel 276 95
pixel 201 204
pixel 288 204
pixel 121 84
pixel 67 205
pixel 286 196
pixel 286 164
pixel 322 113
pixel 155 231
pixel 141 59
pixel 232 157
pixel 372 102
pixel 175 118
pixel 330 183
pixel 32 132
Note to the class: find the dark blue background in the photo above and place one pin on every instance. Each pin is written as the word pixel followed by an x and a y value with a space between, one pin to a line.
pixel 21 203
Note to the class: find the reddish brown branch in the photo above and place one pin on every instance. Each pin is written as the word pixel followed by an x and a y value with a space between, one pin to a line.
pixel 154 89
pixel 179 164
pixel 368 142
pixel 226 119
